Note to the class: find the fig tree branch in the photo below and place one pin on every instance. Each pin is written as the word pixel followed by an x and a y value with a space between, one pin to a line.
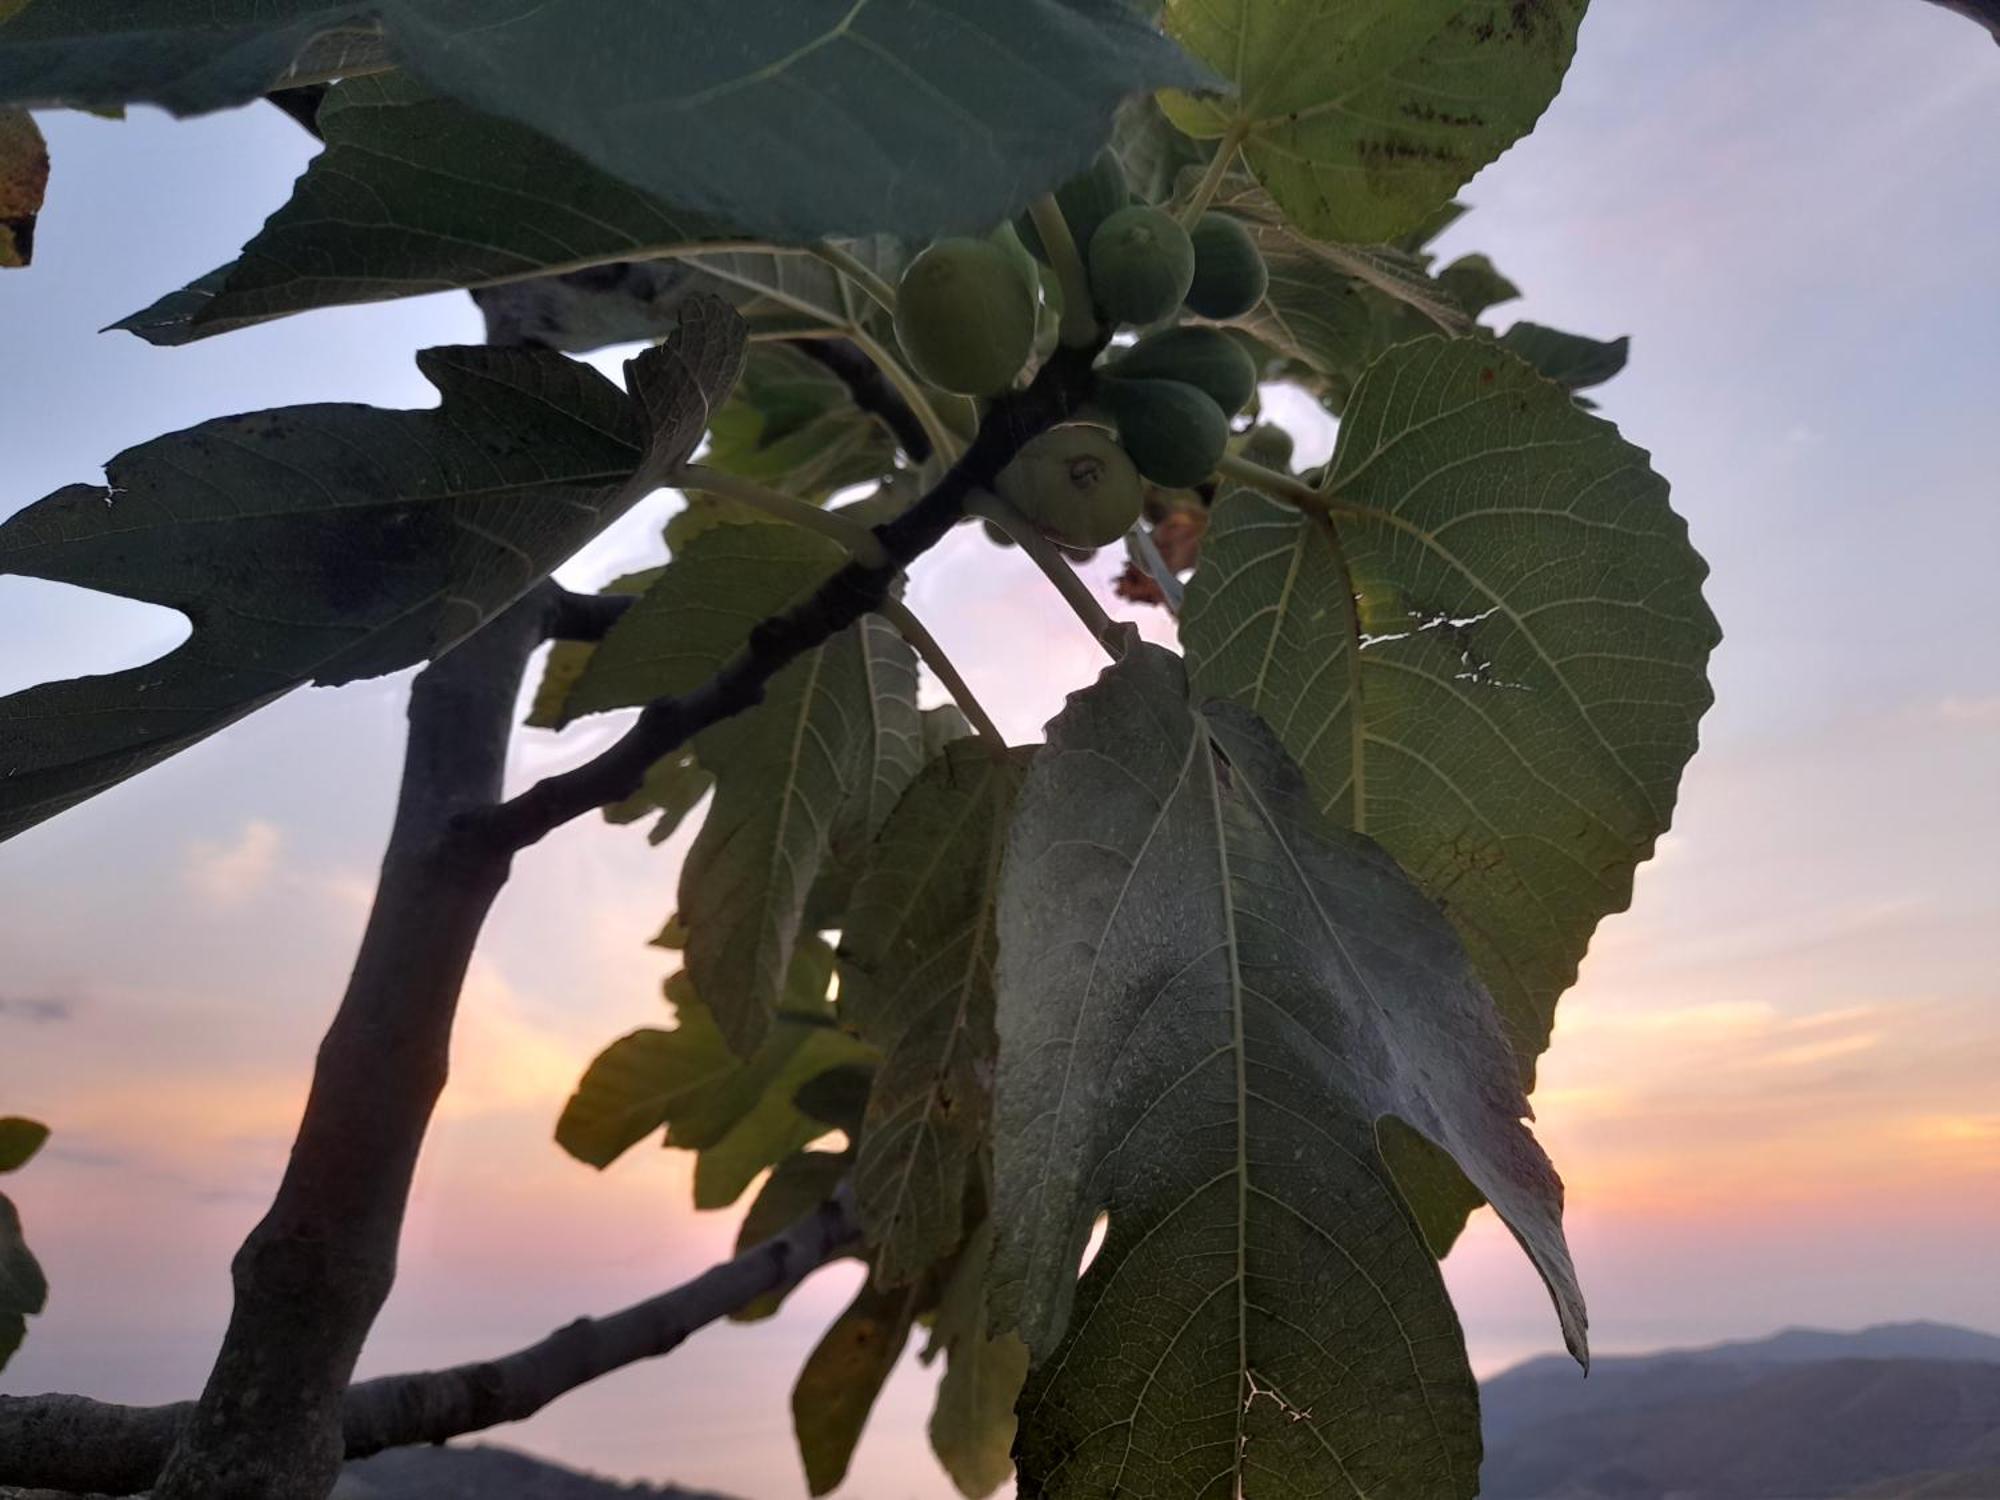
pixel 71 1443
pixel 858 588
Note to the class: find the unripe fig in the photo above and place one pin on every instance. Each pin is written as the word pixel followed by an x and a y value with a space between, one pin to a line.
pixel 1229 271
pixel 1086 201
pixel 1175 433
pixel 1141 264
pixel 965 316
pixel 996 535
pixel 1205 358
pixel 1269 446
pixel 1075 484
pixel 1026 265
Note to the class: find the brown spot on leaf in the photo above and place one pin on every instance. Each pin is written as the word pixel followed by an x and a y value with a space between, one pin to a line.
pixel 24 176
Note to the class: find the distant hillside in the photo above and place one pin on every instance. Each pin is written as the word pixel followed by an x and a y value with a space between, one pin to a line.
pixel 1904 1412
pixel 483 1473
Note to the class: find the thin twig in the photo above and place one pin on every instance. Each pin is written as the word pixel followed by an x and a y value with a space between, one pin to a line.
pixel 1277 486
pixel 1055 567
pixel 1079 317
pixel 913 630
pixel 1212 179
pixel 71 1443
pixel 943 440
pixel 878 291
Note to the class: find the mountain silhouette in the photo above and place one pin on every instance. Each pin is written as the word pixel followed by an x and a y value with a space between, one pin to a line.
pixel 1906 1411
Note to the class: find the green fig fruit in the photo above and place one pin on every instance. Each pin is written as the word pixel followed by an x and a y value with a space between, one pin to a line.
pixel 1175 433
pixel 965 316
pixel 1205 358
pixel 1076 484
pixel 1230 276
pixel 1141 265
pixel 1269 446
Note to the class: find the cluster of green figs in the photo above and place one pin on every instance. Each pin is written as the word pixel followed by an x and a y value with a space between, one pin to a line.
pixel 968 312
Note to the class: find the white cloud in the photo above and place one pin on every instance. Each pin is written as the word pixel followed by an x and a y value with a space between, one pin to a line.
pixel 229 874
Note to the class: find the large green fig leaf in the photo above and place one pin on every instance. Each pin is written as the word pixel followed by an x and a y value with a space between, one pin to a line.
pixel 1362 118
pixel 842 1377
pixel 917 951
pixel 1210 999
pixel 1491 658
pixel 414 194
pixel 738 1114
pixel 793 121
pixel 330 543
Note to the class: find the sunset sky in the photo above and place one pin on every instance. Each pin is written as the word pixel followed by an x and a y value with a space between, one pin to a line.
pixel 1775 1094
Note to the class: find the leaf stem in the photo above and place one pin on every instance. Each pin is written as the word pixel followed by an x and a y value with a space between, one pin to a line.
pixel 912 630
pixel 848 532
pixel 1055 567
pixel 1143 550
pixel 1211 180
pixel 844 261
pixel 1277 486
pixel 944 442
pixel 1079 319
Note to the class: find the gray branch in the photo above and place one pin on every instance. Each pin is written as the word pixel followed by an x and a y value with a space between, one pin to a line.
pixel 71 1443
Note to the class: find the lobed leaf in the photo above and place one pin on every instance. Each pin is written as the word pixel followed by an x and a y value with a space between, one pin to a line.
pixel 330 543
pixel 738 1115
pixel 1210 997
pixel 841 1378
pixel 1363 118
pixel 908 116
pixel 917 952
pixel 972 1424
pixel 1491 659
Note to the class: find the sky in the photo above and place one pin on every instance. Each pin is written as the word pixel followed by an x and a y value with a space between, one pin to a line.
pixel 1774 1094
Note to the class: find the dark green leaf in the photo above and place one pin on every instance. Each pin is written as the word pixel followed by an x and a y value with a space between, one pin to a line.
pixel 1569 359
pixel 23 1289
pixel 1476 284
pixel 414 194
pixel 837 1099
pixel 914 117
pixel 19 1141
pixel 842 1377
pixel 917 950
pixel 1209 997
pixel 972 1425
pixel 1362 118
pixel 329 543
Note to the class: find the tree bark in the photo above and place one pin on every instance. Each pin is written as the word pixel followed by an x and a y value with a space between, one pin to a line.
pixel 314 1273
